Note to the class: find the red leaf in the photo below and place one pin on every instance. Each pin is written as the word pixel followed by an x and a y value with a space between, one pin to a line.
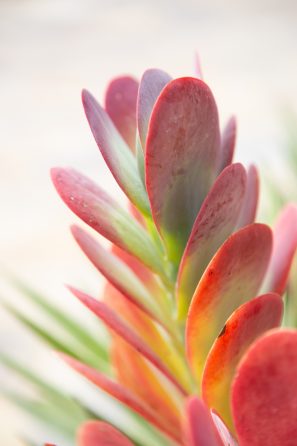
pixel 98 433
pixel 182 148
pixel 264 395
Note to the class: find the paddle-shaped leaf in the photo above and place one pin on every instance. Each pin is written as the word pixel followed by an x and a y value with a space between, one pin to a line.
pixel 245 325
pixel 116 390
pixel 98 433
pixel 264 397
pixel 115 323
pixel 228 143
pixel 284 248
pixel 182 152
pixel 215 221
pixel 152 83
pixel 233 277
pixel 116 272
pixel 120 104
pixel 250 203
pixel 96 208
pixel 200 429
pixel 116 153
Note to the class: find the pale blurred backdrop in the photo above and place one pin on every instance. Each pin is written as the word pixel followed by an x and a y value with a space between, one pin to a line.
pixel 49 50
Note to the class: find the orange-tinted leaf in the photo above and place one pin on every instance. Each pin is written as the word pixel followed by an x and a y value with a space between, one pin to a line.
pixel 215 221
pixel 200 429
pixel 116 390
pixel 182 148
pixel 115 323
pixel 264 395
pixel 151 334
pixel 120 104
pixel 140 378
pixel 233 277
pixel 243 327
pixel 98 433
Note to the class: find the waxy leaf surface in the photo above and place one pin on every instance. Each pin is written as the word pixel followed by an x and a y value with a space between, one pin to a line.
pixel 250 203
pixel 264 397
pixel 98 433
pixel 244 326
pixel 152 83
pixel 284 248
pixel 233 277
pixel 200 429
pixel 115 152
pixel 96 208
pixel 181 158
pixel 120 104
pixel 215 221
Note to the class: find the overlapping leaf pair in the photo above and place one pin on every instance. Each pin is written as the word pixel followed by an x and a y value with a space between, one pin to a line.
pixel 194 285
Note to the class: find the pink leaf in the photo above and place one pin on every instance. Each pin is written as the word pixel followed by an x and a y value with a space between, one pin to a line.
pixel 215 221
pixel 233 277
pixel 228 143
pixel 120 104
pixel 151 85
pixel 94 206
pixel 200 429
pixel 98 433
pixel 264 396
pixel 181 158
pixel 116 153
pixel 250 204
pixel 224 432
pixel 284 248
pixel 116 272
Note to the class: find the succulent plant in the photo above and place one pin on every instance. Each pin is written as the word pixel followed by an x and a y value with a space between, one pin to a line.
pixel 193 299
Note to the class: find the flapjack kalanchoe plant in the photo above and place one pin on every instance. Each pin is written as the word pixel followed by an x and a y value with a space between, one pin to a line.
pixel 193 299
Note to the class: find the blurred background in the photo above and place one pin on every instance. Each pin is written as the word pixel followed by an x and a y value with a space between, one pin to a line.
pixel 49 50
